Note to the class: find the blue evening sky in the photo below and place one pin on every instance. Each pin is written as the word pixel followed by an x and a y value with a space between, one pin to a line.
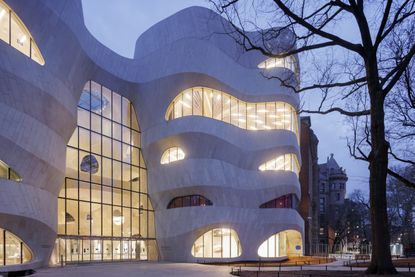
pixel 118 24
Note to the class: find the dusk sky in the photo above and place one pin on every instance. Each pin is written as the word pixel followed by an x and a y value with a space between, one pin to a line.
pixel 118 24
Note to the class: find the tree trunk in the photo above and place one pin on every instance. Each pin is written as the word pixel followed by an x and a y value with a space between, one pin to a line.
pixel 381 262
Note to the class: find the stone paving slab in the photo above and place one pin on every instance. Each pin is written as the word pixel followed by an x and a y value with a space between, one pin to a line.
pixel 139 269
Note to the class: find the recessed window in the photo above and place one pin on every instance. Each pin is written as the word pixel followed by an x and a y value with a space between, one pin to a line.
pixel 189 201
pixel 283 244
pixel 12 249
pixel 287 62
pixel 172 154
pixel 207 102
pixel 8 173
pixel 217 243
pixel 15 33
pixel 287 162
pixel 285 201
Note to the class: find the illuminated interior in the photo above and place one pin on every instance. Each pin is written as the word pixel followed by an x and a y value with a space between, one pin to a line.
pixel 283 244
pixel 104 211
pixel 6 172
pixel 288 201
pixel 217 243
pixel 189 201
pixel 287 62
pixel 12 249
pixel 287 162
pixel 15 33
pixel 207 102
pixel 171 155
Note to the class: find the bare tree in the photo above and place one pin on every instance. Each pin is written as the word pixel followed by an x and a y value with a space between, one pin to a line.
pixel 359 78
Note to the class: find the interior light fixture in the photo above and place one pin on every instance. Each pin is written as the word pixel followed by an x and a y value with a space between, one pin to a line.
pixel 22 39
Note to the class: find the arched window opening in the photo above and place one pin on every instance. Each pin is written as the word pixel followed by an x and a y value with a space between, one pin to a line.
pixel 12 249
pixel 287 162
pixel 189 201
pixel 217 243
pixel 283 244
pixel 287 62
pixel 15 33
pixel 172 154
pixel 6 172
pixel 286 201
pixel 207 102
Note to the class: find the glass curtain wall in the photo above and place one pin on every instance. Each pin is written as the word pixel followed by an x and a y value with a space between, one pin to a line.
pixel 207 102
pixel 286 162
pixel 15 33
pixel 217 243
pixel 12 249
pixel 104 211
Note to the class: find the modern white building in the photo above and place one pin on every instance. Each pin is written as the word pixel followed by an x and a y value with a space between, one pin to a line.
pixel 183 153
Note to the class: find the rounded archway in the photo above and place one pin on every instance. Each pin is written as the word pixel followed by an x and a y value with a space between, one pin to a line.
pixel 283 244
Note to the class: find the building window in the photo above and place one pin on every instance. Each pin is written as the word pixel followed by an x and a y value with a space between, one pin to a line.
pixel 282 244
pixel 287 162
pixel 8 173
pixel 217 243
pixel 322 188
pixel 171 155
pixel 15 33
pixel 338 196
pixel 104 211
pixel 189 201
pixel 207 102
pixel 322 205
pixel 287 62
pixel 12 249
pixel 285 201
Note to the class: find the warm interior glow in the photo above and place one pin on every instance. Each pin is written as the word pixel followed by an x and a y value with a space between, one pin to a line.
pixel 104 205
pixel 172 154
pixel 8 173
pixel 217 243
pixel 202 101
pixel 12 249
pixel 285 243
pixel 287 162
pixel 15 33
pixel 287 62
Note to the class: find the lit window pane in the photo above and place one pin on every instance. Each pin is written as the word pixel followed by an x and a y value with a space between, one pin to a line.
pixel 221 106
pixel 99 200
pixel 14 32
pixel 287 162
pixel 207 102
pixel 4 23
pixel 172 154
pixel 217 243
pixel 284 244
pixel 20 38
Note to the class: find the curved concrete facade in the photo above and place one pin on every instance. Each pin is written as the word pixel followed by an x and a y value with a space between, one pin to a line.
pixel 38 115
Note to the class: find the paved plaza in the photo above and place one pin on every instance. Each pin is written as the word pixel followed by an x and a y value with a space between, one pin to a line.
pixel 141 269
